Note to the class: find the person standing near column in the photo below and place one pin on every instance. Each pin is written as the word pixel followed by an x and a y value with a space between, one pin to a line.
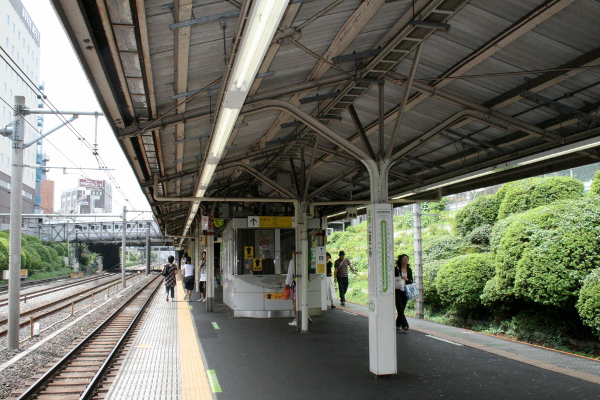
pixel 329 281
pixel 341 273
pixel 203 277
pixel 188 278
pixel 404 277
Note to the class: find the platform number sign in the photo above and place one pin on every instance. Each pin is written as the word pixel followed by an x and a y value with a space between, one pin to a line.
pixel 248 252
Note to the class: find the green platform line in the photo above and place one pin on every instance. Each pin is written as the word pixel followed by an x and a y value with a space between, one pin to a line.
pixel 213 381
pixel 215 325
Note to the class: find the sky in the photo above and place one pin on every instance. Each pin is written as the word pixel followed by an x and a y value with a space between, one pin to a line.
pixel 68 89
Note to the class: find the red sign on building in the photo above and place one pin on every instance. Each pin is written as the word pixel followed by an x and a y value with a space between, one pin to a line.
pixel 90 183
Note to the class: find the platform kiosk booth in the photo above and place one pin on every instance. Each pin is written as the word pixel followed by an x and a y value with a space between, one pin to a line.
pixel 256 252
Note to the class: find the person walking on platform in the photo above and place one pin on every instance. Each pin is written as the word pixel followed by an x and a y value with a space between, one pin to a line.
pixel 171 270
pixel 330 288
pixel 404 276
pixel 188 278
pixel 341 274
pixel 290 283
pixel 203 277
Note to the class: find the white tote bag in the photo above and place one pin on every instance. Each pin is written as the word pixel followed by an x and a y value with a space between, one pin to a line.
pixel 399 283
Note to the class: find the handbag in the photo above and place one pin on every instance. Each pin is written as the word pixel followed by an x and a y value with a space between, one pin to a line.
pixel 399 283
pixel 286 293
pixel 412 292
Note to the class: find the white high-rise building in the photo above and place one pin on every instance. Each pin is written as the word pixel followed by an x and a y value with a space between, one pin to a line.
pixel 20 51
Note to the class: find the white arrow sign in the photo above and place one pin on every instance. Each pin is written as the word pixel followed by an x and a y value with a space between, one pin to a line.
pixel 253 222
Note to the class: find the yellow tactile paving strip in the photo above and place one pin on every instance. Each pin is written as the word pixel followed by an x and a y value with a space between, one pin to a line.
pixel 193 374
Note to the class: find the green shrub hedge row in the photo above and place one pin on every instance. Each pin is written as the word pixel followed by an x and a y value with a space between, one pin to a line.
pixel 35 256
pixel 513 198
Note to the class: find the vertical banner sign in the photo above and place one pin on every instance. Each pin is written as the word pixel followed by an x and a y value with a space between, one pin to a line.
pixel 321 260
pixel 380 249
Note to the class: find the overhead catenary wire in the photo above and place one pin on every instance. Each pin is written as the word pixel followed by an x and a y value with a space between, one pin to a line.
pixel 63 154
pixel 64 120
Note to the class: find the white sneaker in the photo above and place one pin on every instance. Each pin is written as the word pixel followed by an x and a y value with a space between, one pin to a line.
pixel 293 323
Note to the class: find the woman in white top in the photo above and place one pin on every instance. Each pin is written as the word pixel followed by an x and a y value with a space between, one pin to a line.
pixel 203 277
pixel 188 278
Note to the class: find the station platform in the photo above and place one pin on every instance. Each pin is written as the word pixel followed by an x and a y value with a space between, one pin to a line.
pixel 184 352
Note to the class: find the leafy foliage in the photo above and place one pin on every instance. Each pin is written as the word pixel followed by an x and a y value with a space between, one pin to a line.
pixel 443 247
pixel 530 193
pixel 595 189
pixel 35 256
pixel 544 253
pixel 461 280
pixel 588 304
pixel 480 235
pixel 481 211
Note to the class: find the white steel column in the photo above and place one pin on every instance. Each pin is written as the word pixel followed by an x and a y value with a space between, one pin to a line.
pixel 380 249
pixel 304 269
pixel 148 250
pixel 210 268
pixel 419 311
pixel 16 211
pixel 124 248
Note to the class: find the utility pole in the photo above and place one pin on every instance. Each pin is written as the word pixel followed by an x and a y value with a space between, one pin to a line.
pixel 17 133
pixel 123 247
pixel 148 248
pixel 419 312
pixel 16 210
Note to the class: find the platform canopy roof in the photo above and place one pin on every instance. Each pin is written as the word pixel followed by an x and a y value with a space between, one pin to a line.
pixel 501 90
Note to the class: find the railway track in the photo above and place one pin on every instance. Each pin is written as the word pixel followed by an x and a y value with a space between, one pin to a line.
pixel 82 371
pixel 34 314
pixel 38 282
pixel 27 296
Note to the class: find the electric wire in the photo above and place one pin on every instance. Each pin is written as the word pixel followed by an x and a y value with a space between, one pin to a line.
pixel 64 120
pixel 83 174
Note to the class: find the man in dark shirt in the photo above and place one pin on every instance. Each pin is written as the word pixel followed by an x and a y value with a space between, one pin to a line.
pixel 341 273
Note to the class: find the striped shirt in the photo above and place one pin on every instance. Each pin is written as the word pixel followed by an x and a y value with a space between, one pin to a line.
pixel 342 267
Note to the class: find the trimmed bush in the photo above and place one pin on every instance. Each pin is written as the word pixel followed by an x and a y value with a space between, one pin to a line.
pixel 480 235
pixel 481 211
pixel 84 260
pixel 588 304
pixel 461 280
pixel 543 254
pixel 442 248
pixel 595 189
pixel 430 295
pixel 535 192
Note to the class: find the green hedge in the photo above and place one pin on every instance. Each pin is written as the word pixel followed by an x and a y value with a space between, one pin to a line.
pixel 35 256
pixel 481 211
pixel 443 247
pixel 480 235
pixel 430 295
pixel 595 189
pixel 544 253
pixel 461 280
pixel 530 193
pixel 588 304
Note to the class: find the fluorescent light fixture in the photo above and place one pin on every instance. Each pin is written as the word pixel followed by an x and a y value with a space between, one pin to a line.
pixel 261 25
pixel 568 149
pixel 227 118
pixel 463 178
pixel 263 22
pixel 403 195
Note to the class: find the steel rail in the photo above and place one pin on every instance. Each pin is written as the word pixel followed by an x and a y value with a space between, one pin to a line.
pixel 89 391
pixel 26 296
pixel 34 389
pixel 67 302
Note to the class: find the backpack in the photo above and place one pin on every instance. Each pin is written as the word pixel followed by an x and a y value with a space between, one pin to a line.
pixel 165 270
